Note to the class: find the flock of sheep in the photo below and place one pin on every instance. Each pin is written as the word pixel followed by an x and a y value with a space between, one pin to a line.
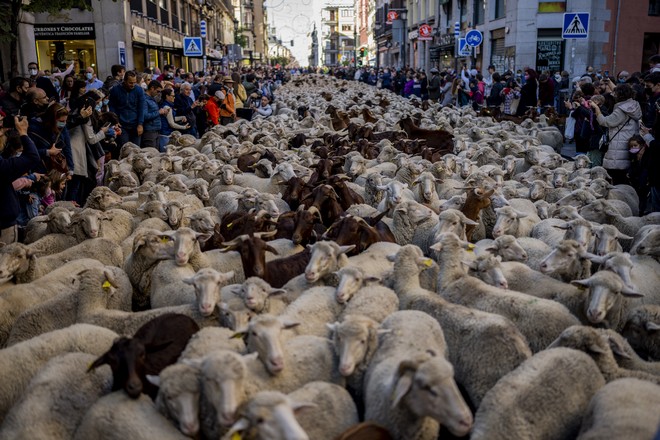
pixel 332 272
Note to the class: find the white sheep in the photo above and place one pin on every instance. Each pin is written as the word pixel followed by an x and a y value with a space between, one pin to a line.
pixel 313 309
pixel 545 397
pixel 456 286
pixel 210 339
pixel 52 404
pixel 118 417
pixel 100 289
pixel 641 330
pixel 56 222
pixel 625 408
pixel 20 362
pixel 362 297
pixel 409 386
pixel 647 242
pixel 258 295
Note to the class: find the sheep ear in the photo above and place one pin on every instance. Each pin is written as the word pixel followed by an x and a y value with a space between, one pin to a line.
pixel 621 236
pixel 391 258
pixel 203 237
pixel 271 249
pixel 470 264
pixel 652 326
pixel 491 249
pixel 286 325
pixel 102 360
pixel 332 327
pixel 153 379
pixel 372 280
pixel 618 348
pixel 236 428
pixel 563 226
pixel 239 333
pixel 581 284
pixel 436 247
pixel 189 281
pixel 520 214
pixel 299 406
pixel 402 387
pixel 274 292
pixel 346 249
pixel 629 292
pixel 383 331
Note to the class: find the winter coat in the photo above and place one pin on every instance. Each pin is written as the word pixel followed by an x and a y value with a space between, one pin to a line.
pixel 151 114
pixel 434 87
pixel 10 170
pixel 622 124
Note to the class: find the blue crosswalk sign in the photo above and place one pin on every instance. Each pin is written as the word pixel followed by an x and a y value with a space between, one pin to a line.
pixel 192 46
pixel 576 25
pixel 463 49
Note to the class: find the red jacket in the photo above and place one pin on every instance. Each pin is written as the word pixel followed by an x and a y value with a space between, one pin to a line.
pixel 213 111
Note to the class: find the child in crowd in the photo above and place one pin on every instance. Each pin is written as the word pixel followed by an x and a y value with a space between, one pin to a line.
pixel 640 167
pixel 57 186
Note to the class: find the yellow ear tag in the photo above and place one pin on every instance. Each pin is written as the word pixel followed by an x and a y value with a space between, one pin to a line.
pixel 237 336
pixel 236 436
pixel 428 262
pixel 164 239
pixel 106 284
pixel 470 247
pixel 229 225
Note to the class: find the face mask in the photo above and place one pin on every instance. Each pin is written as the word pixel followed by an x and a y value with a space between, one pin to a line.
pixel 106 101
pixel 89 75
pixel 634 150
pixel 18 154
pixel 98 107
pixel 557 78
pixel 61 124
pixel 33 72
pixel 144 86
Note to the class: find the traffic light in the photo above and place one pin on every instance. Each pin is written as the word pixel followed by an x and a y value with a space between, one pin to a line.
pixel 363 52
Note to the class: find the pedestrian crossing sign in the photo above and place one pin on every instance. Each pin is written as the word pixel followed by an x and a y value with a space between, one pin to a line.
pixel 464 50
pixel 576 25
pixel 192 46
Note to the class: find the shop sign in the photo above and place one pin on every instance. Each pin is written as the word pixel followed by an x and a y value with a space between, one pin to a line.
pixel 391 16
pixel 154 39
pixel 83 31
pixel 178 44
pixel 447 40
pixel 549 55
pixel 140 35
pixel 425 32
pixel 412 35
pixel 167 42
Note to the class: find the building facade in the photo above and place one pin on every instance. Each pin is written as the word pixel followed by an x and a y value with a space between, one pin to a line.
pixel 338 33
pixel 139 34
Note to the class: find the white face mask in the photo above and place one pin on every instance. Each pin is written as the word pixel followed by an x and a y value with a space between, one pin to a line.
pixel 634 150
pixel 33 72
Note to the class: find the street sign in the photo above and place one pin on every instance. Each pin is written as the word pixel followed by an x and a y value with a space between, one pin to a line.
pixel 192 46
pixel 576 25
pixel 474 38
pixel 464 50
pixel 391 16
pixel 122 53
pixel 457 29
pixel 425 33
pixel 202 28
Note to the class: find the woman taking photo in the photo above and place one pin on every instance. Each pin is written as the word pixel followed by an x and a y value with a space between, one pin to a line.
pixel 622 124
pixel 51 137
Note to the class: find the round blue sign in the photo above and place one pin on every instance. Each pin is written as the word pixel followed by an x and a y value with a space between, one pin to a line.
pixel 474 38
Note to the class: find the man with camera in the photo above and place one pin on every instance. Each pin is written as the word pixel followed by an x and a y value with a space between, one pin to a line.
pixel 11 169
pixel 228 105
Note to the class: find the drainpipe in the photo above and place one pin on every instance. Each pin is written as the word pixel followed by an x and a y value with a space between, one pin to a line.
pixel 616 37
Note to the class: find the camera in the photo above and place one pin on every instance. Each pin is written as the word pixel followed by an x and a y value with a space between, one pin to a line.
pixel 9 122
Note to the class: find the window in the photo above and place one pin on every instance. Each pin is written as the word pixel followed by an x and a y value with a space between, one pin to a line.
pixel 346 27
pixel 479 6
pixel 552 6
pixel 136 5
pixel 346 12
pixel 500 8
pixel 654 7
pixel 152 9
pixel 163 4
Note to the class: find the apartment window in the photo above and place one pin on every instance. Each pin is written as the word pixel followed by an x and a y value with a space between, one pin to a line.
pixel 500 8
pixel 346 27
pixel 346 12
pixel 654 7
pixel 136 5
pixel 152 9
pixel 164 15
pixel 176 11
pixel 479 6
pixel 552 6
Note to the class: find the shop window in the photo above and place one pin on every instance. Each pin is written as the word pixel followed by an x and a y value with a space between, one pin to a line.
pixel 654 7
pixel 346 27
pixel 58 53
pixel 500 8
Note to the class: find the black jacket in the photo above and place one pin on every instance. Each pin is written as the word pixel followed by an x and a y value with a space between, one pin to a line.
pixel 10 170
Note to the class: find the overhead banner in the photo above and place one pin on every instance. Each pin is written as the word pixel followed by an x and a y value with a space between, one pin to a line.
pixel 83 31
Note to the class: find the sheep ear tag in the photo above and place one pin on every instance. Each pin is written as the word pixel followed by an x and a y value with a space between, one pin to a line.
pixel 106 284
pixel 470 247
pixel 236 436
pixel 428 262
pixel 164 239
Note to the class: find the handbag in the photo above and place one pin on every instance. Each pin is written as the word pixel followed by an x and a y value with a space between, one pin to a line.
pixel 605 139
pixel 57 162
pixel 569 130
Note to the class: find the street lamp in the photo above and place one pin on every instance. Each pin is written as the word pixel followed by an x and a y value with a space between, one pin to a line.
pixel 404 16
pixel 202 13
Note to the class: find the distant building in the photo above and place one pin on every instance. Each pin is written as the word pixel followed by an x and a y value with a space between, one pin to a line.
pixel 338 32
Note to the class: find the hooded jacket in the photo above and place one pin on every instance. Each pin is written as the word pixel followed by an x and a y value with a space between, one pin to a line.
pixel 622 124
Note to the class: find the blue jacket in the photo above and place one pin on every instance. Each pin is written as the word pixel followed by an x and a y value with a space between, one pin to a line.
pixel 44 139
pixel 151 115
pixel 387 80
pixel 10 170
pixel 165 128
pixel 129 105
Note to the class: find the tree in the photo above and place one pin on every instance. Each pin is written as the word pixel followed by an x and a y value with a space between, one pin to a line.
pixel 241 39
pixel 10 16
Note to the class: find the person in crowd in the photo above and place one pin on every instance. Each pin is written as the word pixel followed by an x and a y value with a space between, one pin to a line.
pixel 263 110
pixel 488 80
pixel 38 190
pixel 461 96
pixel 152 116
pixel 79 88
pixel 36 103
pixel 169 121
pixel 446 97
pixel 58 183
pixel 585 123
pixel 10 170
pixel 227 107
pixel 50 135
pixel 41 81
pixel 416 86
pixel 167 74
pixel 424 85
pixel 250 84
pixel 622 124
pixel 200 113
pixel 476 95
pixel 528 95
pixel 640 169
pixel 239 90
pixel 12 102
pixel 434 85
pixel 128 103
pixel 117 76
pixel 496 87
pixel 93 83
pixel 185 106
pixel 386 79
pixel 509 94
pixel 213 108
pixel 408 86
pixel 546 91
pixel 65 90
pixel 652 90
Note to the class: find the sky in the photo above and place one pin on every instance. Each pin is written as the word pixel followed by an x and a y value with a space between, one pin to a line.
pixel 293 20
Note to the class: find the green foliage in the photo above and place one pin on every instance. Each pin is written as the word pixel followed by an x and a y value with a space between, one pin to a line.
pixel 240 39
pixel 282 61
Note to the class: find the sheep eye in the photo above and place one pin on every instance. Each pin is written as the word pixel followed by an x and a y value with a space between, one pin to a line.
pixel 260 420
pixel 363 342
pixel 430 390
